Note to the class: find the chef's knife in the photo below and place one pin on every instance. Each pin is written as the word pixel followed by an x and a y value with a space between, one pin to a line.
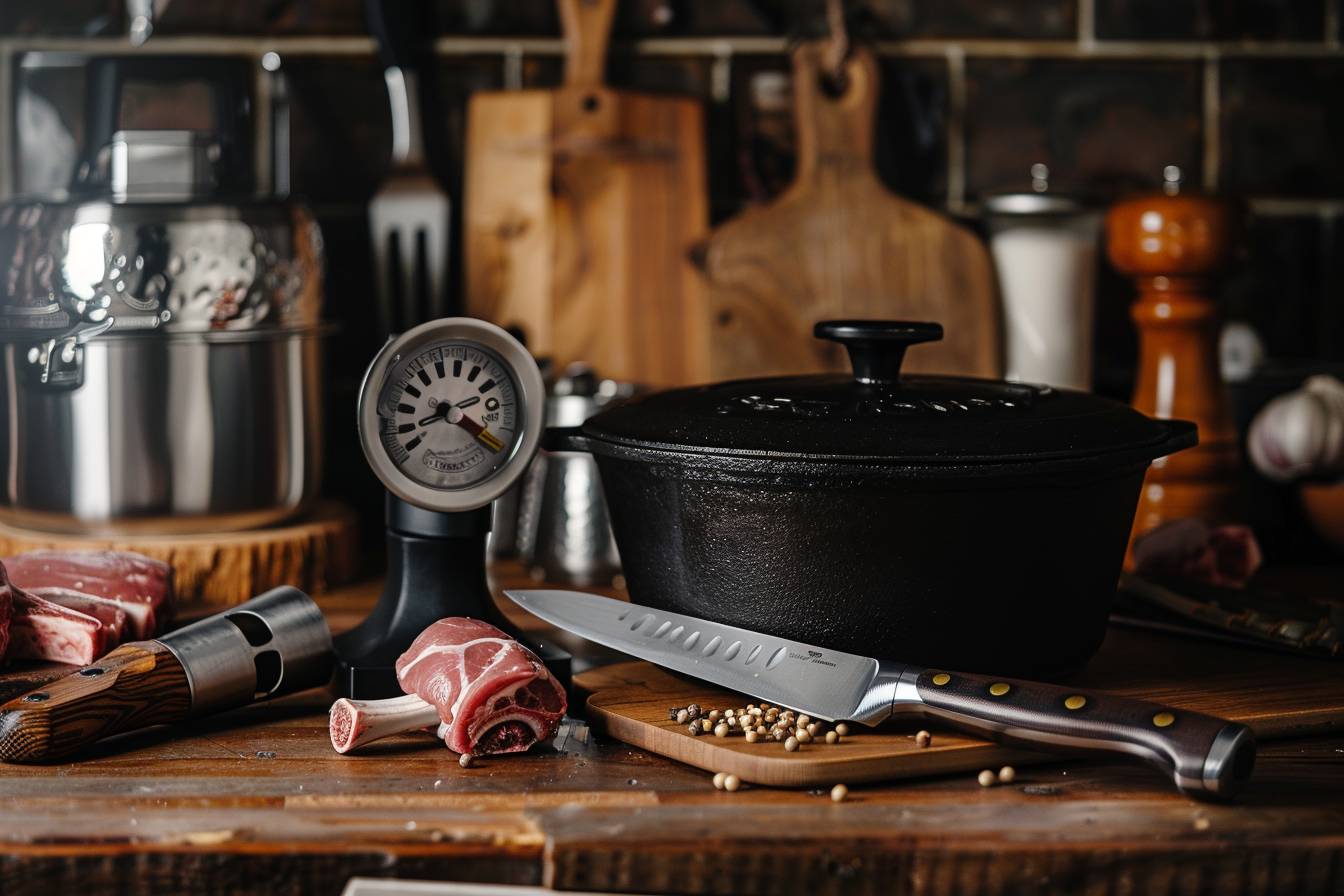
pixel 1208 757
pixel 274 644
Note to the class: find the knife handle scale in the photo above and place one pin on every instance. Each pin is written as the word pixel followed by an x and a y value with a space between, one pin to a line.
pixel 133 687
pixel 1207 756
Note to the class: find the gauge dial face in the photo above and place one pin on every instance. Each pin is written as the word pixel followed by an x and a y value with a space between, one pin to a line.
pixel 448 415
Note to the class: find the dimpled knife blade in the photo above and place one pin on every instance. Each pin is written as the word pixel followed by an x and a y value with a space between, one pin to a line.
pixel 825 684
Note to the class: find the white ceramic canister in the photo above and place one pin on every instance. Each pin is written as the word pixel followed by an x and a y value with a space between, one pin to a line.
pixel 1045 252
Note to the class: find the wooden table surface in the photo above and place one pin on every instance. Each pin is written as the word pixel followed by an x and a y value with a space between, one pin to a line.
pixel 257 801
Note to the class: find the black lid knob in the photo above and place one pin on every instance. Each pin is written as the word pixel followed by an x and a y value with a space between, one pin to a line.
pixel 877 347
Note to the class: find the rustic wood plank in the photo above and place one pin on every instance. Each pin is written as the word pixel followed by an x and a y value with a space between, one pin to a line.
pixel 256 800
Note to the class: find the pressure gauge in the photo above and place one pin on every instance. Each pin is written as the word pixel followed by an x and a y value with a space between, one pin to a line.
pixel 450 413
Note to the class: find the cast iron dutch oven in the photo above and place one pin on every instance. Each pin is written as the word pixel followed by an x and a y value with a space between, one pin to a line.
pixel 946 521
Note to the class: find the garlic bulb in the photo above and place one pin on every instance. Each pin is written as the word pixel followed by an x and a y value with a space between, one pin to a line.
pixel 1300 435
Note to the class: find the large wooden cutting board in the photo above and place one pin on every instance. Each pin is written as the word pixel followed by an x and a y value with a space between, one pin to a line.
pixel 838 244
pixel 581 205
pixel 1277 696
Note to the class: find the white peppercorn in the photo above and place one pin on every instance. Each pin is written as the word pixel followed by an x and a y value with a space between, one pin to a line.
pixel 466 760
pixel 838 793
pixel 721 730
pixel 987 778
pixel 1007 774
pixel 682 717
pixel 923 739
pixel 731 783
pixel 832 737
pixel 791 744
pixel 842 729
pixel 752 736
pixel 718 780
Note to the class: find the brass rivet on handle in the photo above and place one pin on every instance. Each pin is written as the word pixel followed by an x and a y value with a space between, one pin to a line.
pixel 999 688
pixel 1077 701
pixel 941 679
pixel 1163 719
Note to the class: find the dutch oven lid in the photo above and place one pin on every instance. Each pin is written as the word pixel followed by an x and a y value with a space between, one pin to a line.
pixel 879 414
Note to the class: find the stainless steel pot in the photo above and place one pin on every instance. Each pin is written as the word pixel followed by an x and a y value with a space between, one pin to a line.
pixel 161 364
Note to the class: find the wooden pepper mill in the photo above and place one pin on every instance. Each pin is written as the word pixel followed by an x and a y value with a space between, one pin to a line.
pixel 1176 247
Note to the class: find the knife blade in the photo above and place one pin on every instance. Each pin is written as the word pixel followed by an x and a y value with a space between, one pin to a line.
pixel 1207 757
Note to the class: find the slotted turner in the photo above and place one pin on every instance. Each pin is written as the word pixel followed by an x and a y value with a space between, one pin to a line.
pixel 409 215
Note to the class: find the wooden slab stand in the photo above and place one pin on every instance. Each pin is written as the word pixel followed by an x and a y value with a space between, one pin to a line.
pixel 315 553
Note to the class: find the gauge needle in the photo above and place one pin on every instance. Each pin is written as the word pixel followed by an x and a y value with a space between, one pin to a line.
pixel 483 435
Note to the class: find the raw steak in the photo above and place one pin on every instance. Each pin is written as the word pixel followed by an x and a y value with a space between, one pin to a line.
pixel 141 586
pixel 44 630
pixel 6 610
pixel 493 695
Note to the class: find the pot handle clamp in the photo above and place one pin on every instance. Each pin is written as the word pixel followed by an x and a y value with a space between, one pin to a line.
pixel 877 347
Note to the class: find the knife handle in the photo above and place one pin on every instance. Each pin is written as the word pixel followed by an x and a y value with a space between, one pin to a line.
pixel 135 686
pixel 1208 757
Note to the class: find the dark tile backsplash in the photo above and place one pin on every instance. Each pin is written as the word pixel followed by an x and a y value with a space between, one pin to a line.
pixel 1256 20
pixel 83 18
pixel 1101 127
pixel 1282 126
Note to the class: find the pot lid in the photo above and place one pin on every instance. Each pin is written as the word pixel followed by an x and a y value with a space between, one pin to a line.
pixel 880 415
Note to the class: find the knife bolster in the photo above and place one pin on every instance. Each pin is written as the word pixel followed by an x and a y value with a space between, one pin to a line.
pixel 135 686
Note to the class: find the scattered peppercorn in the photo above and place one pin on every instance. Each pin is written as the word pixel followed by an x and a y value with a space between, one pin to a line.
pixel 718 780
pixel 466 760
pixel 693 710
pixel 842 729
pixel 803 736
pixel 694 729
pixel 792 744
pixel 804 719
pixel 752 736
pixel 731 783
pixel 721 730
pixel 838 793
pixel 832 737
pixel 683 717
pixel 987 778
pixel 1007 774
pixel 923 739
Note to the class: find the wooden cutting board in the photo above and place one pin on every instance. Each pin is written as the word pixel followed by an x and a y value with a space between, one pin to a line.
pixel 838 244
pixel 1276 695
pixel 581 205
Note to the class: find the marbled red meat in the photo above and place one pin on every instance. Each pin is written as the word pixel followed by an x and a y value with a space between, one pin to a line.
pixel 140 585
pixel 45 630
pixel 492 694
pixel 6 610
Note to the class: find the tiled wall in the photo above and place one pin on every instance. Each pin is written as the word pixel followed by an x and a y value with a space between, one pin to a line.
pixel 1246 96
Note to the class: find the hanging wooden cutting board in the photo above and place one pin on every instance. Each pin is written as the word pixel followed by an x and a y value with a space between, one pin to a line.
pixel 581 204
pixel 838 244
pixel 1276 695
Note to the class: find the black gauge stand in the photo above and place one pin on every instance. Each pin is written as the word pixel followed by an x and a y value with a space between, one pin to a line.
pixel 435 568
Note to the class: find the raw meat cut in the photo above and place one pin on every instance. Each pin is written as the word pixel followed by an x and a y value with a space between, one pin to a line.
pixel 492 694
pixel 108 612
pixel 6 610
pixel 44 630
pixel 140 585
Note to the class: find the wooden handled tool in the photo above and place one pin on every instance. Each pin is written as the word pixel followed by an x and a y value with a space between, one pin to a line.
pixel 275 644
pixel 133 687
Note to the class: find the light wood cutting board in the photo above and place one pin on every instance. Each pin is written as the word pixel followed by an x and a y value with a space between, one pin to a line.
pixel 837 244
pixel 581 205
pixel 1277 696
